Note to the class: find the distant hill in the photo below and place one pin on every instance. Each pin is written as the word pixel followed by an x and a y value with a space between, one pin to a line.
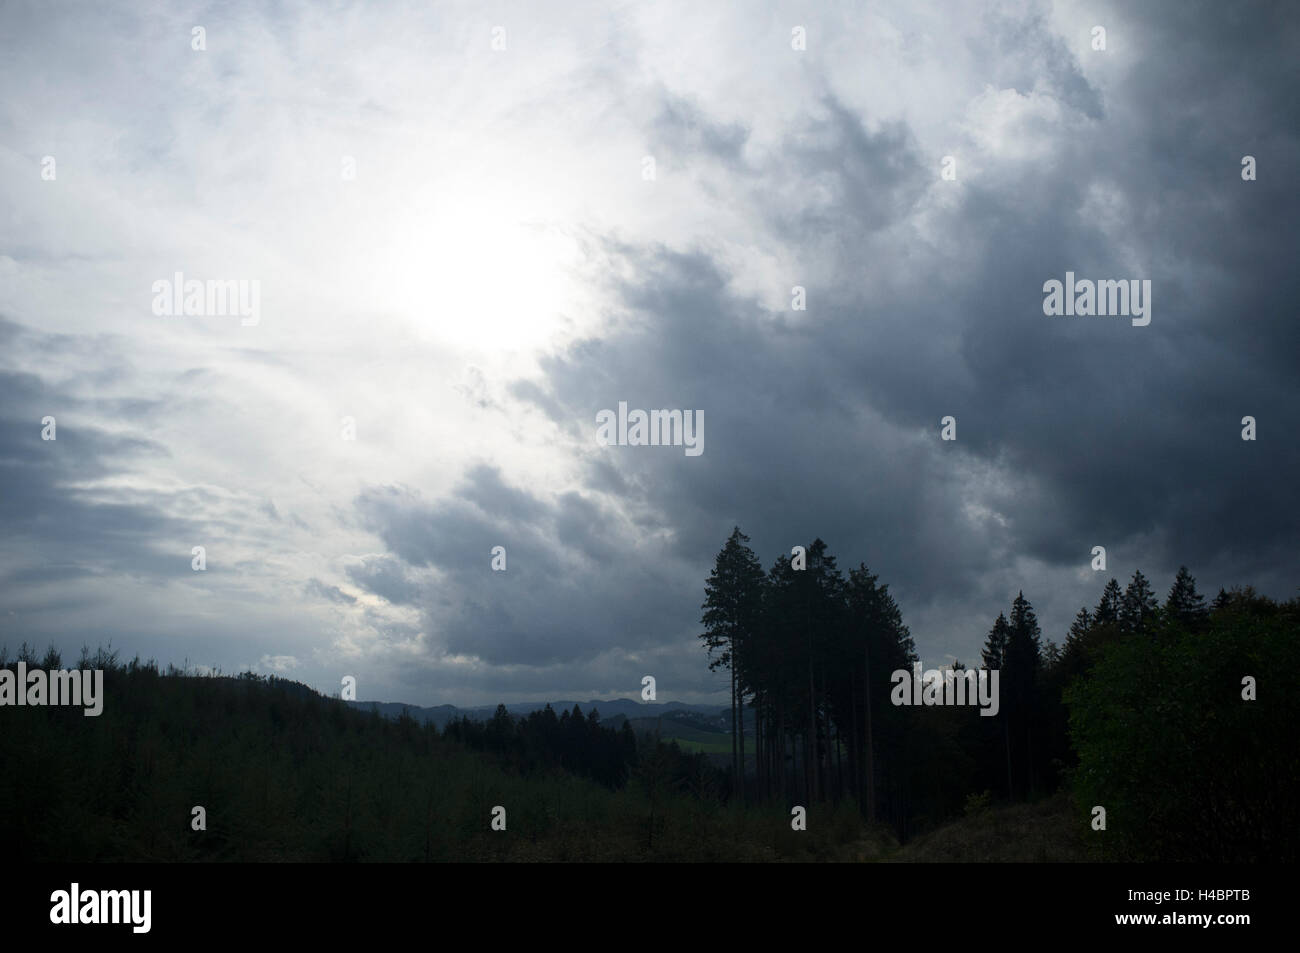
pixel 610 710
pixel 439 715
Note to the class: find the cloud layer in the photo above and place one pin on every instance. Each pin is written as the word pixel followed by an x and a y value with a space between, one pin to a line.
pixel 462 261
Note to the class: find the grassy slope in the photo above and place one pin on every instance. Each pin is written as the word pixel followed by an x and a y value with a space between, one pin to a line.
pixel 1051 830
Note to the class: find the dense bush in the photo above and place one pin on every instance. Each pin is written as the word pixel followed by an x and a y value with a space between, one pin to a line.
pixel 1187 769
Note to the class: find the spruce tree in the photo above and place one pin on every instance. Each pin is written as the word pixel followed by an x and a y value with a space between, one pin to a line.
pixel 995 645
pixel 1138 606
pixel 1078 630
pixel 994 655
pixel 1185 604
pixel 1072 655
pixel 732 611
pixel 876 644
pixel 1019 686
pixel 1107 612
pixel 1052 655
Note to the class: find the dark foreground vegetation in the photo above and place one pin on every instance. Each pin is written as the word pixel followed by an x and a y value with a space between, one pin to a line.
pixel 285 774
pixel 1140 711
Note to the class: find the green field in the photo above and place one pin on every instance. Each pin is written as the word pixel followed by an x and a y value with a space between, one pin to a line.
pixel 694 746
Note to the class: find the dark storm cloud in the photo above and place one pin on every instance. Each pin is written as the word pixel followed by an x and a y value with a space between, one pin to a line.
pixel 386 577
pixel 867 180
pixel 682 127
pixel 51 522
pixel 1033 58
pixel 791 451
pixel 570 590
pixel 1129 431
pixel 71 505
pixel 1097 432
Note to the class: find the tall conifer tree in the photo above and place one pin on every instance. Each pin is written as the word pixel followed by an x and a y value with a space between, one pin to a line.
pixel 732 609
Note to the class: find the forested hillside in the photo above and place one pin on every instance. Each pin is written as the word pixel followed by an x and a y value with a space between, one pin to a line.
pixel 1176 718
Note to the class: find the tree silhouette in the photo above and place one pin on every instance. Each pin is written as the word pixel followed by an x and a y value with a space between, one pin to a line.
pixel 1185 604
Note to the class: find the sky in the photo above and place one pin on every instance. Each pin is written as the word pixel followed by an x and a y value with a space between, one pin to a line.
pixel 473 227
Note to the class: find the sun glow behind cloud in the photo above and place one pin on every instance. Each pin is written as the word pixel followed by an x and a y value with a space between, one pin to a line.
pixel 467 271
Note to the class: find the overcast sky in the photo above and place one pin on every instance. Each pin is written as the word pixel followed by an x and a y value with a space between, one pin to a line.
pixel 498 268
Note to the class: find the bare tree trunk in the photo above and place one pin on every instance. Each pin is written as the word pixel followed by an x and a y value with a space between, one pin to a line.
pixel 807 770
pixel 870 748
pixel 765 723
pixel 740 715
pixel 810 738
pixel 827 780
pixel 815 745
pixel 734 773
pixel 776 777
pixel 773 769
pixel 839 766
pixel 782 774
pixel 855 754
pixel 1006 727
pixel 1029 754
